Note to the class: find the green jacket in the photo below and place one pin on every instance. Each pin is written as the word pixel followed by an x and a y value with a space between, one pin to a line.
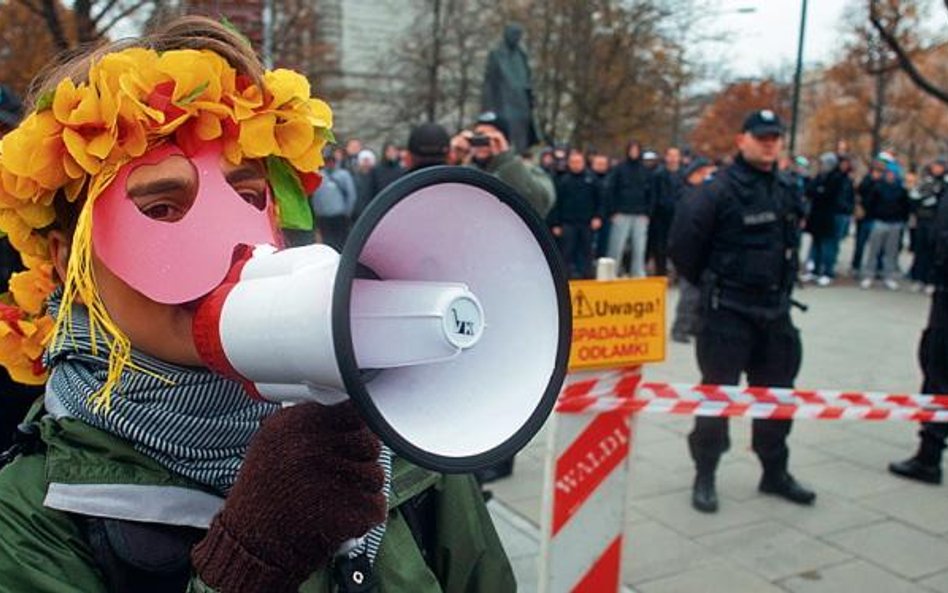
pixel 529 180
pixel 84 471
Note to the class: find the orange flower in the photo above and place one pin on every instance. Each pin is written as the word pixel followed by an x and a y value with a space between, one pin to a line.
pixel 31 288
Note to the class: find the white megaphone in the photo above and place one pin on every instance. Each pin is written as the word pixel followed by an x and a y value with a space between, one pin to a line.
pixel 446 319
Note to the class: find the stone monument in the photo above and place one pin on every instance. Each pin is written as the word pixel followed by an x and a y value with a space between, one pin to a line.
pixel 508 88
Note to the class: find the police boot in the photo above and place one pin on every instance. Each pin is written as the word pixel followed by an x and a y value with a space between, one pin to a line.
pixel 778 481
pixel 914 469
pixel 925 466
pixel 786 486
pixel 703 495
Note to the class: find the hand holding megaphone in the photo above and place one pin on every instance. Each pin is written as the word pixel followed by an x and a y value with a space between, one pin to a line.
pixel 310 481
pixel 465 321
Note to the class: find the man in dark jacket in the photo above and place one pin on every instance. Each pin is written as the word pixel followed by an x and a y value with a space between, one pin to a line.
pixel 826 193
pixel 667 186
pixel 599 165
pixel 925 200
pixel 388 169
pixel 737 237
pixel 688 309
pixel 576 215
pixel 863 223
pixel 629 205
pixel 428 146
pixel 887 206
pixel 925 465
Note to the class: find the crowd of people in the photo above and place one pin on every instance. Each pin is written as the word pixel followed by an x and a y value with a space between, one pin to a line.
pixel 623 208
pixel 171 478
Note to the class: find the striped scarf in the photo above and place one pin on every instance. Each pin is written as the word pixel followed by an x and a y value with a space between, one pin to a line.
pixel 191 421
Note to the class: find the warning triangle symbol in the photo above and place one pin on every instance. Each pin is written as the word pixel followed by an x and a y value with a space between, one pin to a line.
pixel 581 306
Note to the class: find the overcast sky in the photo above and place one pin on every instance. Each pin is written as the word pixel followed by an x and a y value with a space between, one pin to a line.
pixel 762 41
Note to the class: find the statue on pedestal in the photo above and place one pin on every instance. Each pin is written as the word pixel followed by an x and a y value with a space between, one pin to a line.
pixel 508 88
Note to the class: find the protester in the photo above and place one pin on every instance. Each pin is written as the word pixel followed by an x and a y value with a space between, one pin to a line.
pixel 628 205
pixel 599 165
pixel 863 223
pixel 826 194
pixel 667 187
pixel 350 161
pixel 362 176
pixel 428 146
pixel 143 470
pixel 388 169
pixel 333 203
pixel 650 160
pixel 737 237
pixel 547 160
pixel 925 202
pixel 576 215
pixel 887 207
pixel 688 309
pixel 487 148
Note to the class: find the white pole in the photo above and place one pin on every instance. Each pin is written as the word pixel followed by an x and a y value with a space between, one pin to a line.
pixel 267 19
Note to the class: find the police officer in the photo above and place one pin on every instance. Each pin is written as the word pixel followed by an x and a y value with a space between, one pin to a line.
pixel 925 465
pixel 737 238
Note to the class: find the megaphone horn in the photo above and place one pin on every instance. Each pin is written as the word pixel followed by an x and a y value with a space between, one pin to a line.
pixel 446 319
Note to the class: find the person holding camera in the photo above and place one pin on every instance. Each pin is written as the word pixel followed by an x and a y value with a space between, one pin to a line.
pixel 488 148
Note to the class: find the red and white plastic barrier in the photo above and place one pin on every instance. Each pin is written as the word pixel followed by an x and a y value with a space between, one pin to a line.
pixel 588 450
pixel 616 390
pixel 584 495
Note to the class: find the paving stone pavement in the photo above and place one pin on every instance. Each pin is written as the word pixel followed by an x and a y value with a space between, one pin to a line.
pixel 868 532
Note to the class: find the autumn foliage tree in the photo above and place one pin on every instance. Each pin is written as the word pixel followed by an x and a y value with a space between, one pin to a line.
pixel 721 120
pixel 86 22
pixel 870 101
pixel 25 46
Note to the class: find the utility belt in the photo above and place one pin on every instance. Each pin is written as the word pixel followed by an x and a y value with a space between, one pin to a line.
pixel 759 303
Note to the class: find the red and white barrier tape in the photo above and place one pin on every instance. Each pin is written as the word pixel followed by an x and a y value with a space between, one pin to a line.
pixel 615 390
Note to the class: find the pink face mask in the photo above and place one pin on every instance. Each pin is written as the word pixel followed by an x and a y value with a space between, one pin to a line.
pixel 177 262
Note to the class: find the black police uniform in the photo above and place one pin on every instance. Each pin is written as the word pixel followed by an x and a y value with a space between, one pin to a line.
pixel 933 357
pixel 737 238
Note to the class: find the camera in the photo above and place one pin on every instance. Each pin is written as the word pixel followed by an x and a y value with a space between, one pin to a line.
pixel 480 140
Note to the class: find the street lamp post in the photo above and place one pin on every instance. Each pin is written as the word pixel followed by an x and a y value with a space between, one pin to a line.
pixel 797 82
pixel 267 22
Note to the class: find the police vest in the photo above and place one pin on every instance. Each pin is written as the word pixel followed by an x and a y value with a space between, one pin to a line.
pixel 755 266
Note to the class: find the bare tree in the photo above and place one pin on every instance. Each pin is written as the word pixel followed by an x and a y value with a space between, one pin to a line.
pixel 90 22
pixel 890 19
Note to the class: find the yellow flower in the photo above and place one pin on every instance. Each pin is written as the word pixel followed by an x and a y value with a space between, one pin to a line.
pixel 31 288
pixel 285 86
pixel 83 133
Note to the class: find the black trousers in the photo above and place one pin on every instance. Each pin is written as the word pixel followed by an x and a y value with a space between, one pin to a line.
pixel 933 358
pixel 334 230
pixel 659 227
pixel 576 245
pixel 769 352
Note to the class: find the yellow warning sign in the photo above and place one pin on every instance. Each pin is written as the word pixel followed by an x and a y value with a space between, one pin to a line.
pixel 617 323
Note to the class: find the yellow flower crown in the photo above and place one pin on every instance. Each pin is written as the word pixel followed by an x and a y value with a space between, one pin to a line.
pixel 81 135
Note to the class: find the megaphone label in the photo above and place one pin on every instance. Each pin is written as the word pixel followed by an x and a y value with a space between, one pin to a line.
pixel 463 322
pixel 617 323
